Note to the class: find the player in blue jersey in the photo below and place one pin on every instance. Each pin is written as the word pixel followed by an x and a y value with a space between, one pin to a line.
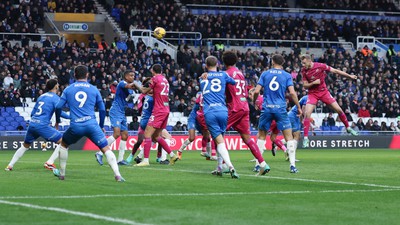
pixel 82 98
pixel 275 82
pixel 39 124
pixel 213 85
pixel 193 124
pixel 118 118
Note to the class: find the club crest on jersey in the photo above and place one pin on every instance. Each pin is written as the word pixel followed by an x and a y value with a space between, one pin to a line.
pixel 312 77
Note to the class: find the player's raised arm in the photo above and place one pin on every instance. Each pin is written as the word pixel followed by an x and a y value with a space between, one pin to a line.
pixel 342 73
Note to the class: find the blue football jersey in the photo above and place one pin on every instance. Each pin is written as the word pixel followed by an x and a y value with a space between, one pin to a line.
pixel 147 107
pixel 44 108
pixel 121 94
pixel 275 82
pixel 81 98
pixel 213 89
pixel 302 102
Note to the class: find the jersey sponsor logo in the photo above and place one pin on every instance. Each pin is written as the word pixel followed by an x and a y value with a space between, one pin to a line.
pixel 83 119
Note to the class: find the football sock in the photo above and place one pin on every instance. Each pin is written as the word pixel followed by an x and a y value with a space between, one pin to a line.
pixel 184 145
pixel 221 148
pixel 343 118
pixel 306 126
pixel 54 156
pixel 213 149
pixel 63 157
pixel 147 146
pixel 261 145
pixel 163 152
pixel 99 152
pixel 17 155
pixel 164 145
pixel 110 140
pixel 141 153
pixel 159 150
pixel 121 150
pixel 280 144
pixel 292 144
pixel 204 142
pixel 254 150
pixel 112 161
pixel 208 148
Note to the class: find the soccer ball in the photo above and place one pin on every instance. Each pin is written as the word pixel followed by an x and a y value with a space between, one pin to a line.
pixel 44 145
pixel 159 32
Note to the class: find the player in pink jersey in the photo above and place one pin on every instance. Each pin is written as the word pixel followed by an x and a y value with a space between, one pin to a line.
pixel 159 117
pixel 238 108
pixel 314 80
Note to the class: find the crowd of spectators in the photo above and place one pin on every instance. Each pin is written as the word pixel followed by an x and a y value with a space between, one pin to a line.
pixel 27 16
pixel 24 70
pixel 361 5
pixel 167 14
pixel 271 3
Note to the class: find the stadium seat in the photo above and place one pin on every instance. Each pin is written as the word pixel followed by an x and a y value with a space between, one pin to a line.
pixel 10 109
pixel 15 124
pixel 325 128
pixel 19 119
pixel 4 123
pixel 5 114
pixel 169 128
pixel 10 128
pixel 14 114
pixel 2 128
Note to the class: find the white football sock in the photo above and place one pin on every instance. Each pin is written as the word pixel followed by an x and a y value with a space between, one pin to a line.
pixel 291 146
pixel 121 150
pixel 99 152
pixel 112 161
pixel 54 156
pixel 17 155
pixel 63 157
pixel 184 145
pixel 110 140
pixel 221 148
pixel 141 153
pixel 208 147
pixel 261 146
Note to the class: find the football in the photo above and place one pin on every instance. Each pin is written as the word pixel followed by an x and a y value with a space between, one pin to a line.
pixel 159 33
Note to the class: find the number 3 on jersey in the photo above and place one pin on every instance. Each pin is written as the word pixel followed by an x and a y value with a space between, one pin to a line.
pixel 215 86
pixel 81 97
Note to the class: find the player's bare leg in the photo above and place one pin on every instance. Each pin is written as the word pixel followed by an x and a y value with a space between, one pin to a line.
pixel 192 136
pixel 309 108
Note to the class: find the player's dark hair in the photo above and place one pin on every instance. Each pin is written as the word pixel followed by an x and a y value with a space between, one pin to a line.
pixel 80 72
pixel 146 82
pixel 211 61
pixel 229 58
pixel 278 59
pixel 50 84
pixel 157 68
pixel 126 73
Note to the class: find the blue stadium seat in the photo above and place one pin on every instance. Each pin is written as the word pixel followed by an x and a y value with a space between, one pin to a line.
pixel 325 128
pixel 10 109
pixel 10 128
pixel 14 114
pixel 4 123
pixel 169 128
pixel 14 124
pixel 335 128
pixel 19 119
pixel 5 114
pixel 2 128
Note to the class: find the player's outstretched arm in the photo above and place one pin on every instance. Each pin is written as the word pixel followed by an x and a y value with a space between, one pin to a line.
pixel 342 73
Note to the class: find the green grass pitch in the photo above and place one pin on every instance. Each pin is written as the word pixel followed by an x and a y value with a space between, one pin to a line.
pixel 332 187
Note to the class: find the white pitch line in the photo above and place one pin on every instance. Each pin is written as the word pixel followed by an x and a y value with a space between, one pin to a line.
pixel 193 194
pixel 61 210
pixel 287 178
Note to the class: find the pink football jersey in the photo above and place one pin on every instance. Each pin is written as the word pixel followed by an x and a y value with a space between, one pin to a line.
pixel 160 88
pixel 236 95
pixel 314 73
